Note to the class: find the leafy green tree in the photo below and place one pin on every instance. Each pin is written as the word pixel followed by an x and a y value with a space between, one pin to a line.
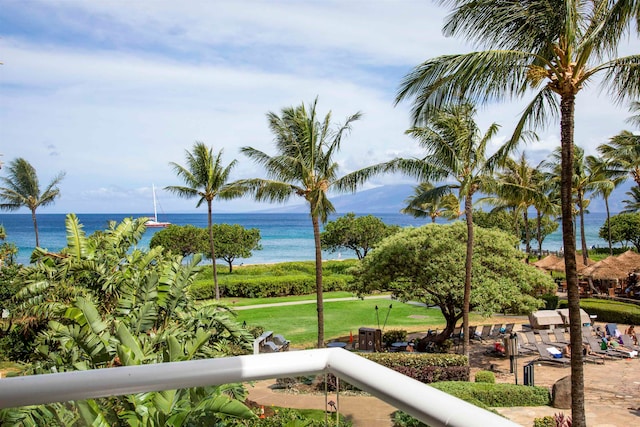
pixel 446 206
pixel 632 204
pixel 625 229
pixel 496 219
pixel 455 150
pixel 233 241
pixel 22 189
pixel 545 226
pixel 427 264
pixel 304 166
pixel 359 234
pixel 105 305
pixel 206 178
pixel 555 48
pixel 184 240
pixel 606 179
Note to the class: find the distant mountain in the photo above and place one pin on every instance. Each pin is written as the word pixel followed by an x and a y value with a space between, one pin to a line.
pixel 390 199
pixel 384 199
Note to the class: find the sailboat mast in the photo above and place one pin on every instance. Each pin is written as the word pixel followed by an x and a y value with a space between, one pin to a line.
pixel 155 209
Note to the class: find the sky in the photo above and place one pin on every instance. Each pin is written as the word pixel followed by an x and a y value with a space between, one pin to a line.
pixel 111 92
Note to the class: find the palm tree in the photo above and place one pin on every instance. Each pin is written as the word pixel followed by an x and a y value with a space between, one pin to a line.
pixel 23 189
pixel 206 178
pixel 455 150
pixel 605 180
pixel 418 206
pixel 633 203
pixel 555 48
pixel 623 151
pixel 303 166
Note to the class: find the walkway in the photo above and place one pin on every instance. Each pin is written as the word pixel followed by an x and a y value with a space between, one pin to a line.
pixel 281 304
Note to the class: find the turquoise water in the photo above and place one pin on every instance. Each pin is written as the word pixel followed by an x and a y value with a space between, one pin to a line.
pixel 285 237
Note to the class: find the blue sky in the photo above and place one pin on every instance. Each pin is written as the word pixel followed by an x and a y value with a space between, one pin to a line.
pixel 111 91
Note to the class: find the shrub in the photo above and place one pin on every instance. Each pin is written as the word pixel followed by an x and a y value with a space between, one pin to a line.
pixel 402 419
pixel 550 301
pixel 394 335
pixel 426 368
pixel 485 377
pixel 496 395
pixel 547 421
pixel 609 311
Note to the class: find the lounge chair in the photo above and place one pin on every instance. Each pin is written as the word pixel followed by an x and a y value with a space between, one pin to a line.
pixel 627 341
pixel 611 329
pixel 597 349
pixel 523 344
pixel 508 328
pixel 546 355
pixel 546 339
pixel 560 336
pixel 485 333
pixel 281 342
pixel 495 332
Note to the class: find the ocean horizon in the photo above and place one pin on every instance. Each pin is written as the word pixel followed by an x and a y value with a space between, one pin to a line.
pixel 284 236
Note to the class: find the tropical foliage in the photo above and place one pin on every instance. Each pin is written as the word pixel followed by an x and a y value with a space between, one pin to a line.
pixel 304 166
pixel 624 228
pixel 99 303
pixel 427 264
pixel 206 178
pixel 357 233
pixel 22 189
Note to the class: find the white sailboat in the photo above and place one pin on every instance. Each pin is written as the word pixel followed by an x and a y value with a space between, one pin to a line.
pixel 154 223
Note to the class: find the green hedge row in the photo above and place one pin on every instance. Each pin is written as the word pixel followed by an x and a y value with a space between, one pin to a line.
pixel 496 395
pixel 609 311
pixel 426 368
pixel 266 286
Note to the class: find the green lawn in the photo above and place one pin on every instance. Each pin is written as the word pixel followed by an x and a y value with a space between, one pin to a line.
pixel 241 302
pixel 298 322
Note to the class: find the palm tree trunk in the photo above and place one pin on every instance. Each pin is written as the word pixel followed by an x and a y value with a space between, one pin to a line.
pixel 468 210
pixel 527 233
pixel 567 108
pixel 606 204
pixel 539 232
pixel 35 226
pixel 319 302
pixel 583 237
pixel 213 250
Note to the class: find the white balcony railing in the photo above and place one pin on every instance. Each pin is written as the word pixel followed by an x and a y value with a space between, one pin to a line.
pixel 425 403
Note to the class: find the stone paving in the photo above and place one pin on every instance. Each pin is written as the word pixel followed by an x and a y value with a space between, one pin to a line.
pixel 612 393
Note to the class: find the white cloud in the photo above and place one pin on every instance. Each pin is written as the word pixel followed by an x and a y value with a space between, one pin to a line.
pixel 112 92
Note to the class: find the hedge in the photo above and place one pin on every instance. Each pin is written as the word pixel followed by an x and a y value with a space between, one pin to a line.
pixel 424 367
pixel 609 311
pixel 496 395
pixel 268 286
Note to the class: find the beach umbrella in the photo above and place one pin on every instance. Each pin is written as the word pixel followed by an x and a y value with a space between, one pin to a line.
pixel 630 260
pixel 559 266
pixel 547 261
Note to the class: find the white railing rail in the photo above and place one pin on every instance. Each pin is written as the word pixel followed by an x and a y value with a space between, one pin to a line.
pixel 425 403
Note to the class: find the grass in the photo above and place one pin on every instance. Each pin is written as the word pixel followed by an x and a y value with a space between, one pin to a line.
pixel 242 302
pixel 298 323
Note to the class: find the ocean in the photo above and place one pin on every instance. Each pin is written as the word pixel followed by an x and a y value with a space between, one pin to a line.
pixel 285 236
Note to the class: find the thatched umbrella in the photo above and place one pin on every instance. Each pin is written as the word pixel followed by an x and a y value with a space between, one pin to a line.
pixel 605 270
pixel 559 266
pixel 629 260
pixel 547 261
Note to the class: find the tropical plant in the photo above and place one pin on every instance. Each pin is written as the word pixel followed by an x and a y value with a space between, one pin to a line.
pixel 304 166
pixel 427 264
pixel 623 150
pixel 233 241
pixel 447 206
pixel 555 48
pixel 22 189
pixel 455 149
pixel 359 234
pixel 205 178
pixel 106 304
pixel 624 228
pixel 632 204
pixel 604 180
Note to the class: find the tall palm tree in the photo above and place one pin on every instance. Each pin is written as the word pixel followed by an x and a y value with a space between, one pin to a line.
pixel 623 151
pixel 455 150
pixel 419 206
pixel 304 166
pixel 22 188
pixel 554 48
pixel 605 180
pixel 633 203
pixel 206 178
